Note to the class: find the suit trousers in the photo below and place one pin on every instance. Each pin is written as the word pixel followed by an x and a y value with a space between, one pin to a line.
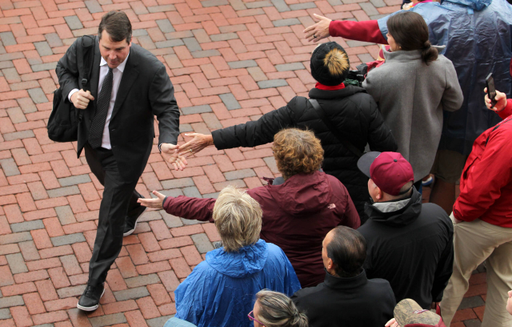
pixel 118 196
pixel 474 243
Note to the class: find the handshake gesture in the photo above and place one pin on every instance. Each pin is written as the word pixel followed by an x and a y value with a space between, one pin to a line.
pixel 177 154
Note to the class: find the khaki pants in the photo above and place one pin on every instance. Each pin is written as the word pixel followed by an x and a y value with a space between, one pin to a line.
pixel 474 243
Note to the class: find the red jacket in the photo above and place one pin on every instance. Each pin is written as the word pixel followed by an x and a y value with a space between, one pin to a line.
pixel 296 217
pixel 486 181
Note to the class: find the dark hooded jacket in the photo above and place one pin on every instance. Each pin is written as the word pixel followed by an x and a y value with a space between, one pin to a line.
pixel 353 111
pixel 411 247
pixel 296 217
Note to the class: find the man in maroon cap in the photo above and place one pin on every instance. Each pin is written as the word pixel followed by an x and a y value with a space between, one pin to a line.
pixel 410 244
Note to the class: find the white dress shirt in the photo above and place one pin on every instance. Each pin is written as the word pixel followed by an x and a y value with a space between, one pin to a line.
pixel 118 74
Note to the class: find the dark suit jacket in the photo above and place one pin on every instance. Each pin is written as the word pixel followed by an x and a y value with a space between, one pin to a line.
pixel 145 91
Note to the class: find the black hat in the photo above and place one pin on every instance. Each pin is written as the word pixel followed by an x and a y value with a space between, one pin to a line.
pixel 318 69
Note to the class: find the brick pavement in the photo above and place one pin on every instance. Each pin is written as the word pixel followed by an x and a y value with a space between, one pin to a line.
pixel 229 60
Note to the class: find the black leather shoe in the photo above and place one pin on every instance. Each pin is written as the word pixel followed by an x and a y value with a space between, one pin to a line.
pixel 90 299
pixel 130 222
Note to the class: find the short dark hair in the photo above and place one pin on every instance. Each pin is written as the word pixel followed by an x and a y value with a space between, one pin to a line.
pixel 117 25
pixel 347 250
pixel 411 32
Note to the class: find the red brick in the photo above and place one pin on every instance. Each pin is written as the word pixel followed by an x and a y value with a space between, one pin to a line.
pixel 126 267
pixel 21 316
pixel 82 251
pixel 464 314
pixel 39 214
pixel 117 307
pixel 187 230
pixel 30 276
pixel 148 307
pixel 159 294
pixel 176 242
pixel 13 214
pixel 77 203
pixel 135 318
pixel 151 268
pixel 61 304
pixel 149 242
pixel 53 227
pixel 137 254
pixel 167 309
pixel 115 280
pixel 56 251
pixel 169 280
pixel 18 289
pixel 5 276
pixel 160 229
pixel 47 318
pixel 180 267
pixel 59 277
pixel 212 232
pixel 41 238
pixel 34 303
pixel 164 255
pixel 43 264
pixel 191 255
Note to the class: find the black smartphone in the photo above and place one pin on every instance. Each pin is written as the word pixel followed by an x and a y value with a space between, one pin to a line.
pixel 491 90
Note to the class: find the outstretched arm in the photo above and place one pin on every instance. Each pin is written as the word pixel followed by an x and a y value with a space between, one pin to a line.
pixel 361 31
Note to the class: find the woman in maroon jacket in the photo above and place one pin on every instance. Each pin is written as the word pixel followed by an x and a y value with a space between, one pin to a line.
pixel 298 213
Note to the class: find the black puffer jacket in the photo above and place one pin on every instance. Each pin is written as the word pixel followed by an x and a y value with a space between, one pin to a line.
pixel 351 109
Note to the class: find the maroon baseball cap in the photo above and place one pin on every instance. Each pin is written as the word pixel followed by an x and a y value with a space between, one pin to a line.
pixel 388 170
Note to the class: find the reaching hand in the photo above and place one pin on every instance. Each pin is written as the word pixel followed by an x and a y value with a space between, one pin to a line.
pixel 81 99
pixel 171 155
pixel 157 202
pixel 500 98
pixel 392 323
pixel 199 142
pixel 319 30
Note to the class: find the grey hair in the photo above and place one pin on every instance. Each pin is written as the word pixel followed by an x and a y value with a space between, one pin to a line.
pixel 278 310
pixel 237 217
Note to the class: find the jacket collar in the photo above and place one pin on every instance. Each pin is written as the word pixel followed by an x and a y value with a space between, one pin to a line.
pixel 399 217
pixel 339 283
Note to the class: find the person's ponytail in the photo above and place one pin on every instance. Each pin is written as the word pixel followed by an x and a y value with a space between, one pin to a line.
pixel 428 52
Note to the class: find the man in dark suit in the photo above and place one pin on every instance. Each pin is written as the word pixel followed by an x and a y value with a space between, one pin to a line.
pixel 128 87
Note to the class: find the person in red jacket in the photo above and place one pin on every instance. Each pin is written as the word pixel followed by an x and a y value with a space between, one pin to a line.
pixel 297 214
pixel 483 220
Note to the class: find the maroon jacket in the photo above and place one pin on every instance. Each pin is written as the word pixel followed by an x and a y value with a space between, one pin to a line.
pixel 296 217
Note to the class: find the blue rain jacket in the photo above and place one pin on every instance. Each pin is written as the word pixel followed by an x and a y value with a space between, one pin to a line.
pixel 221 290
pixel 477 35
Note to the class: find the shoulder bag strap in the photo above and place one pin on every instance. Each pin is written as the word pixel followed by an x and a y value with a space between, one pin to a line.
pixel 334 130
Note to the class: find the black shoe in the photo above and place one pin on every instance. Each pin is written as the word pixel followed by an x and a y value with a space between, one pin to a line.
pixel 90 299
pixel 130 222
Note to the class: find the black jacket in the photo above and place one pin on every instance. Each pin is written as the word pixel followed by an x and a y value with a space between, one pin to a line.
pixel 351 109
pixel 347 302
pixel 145 91
pixel 412 248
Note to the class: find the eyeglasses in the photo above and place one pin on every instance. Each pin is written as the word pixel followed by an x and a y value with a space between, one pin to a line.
pixel 250 315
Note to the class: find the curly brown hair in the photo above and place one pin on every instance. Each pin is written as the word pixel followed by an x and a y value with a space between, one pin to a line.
pixel 297 152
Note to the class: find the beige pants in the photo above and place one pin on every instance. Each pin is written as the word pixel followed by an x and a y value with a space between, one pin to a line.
pixel 474 243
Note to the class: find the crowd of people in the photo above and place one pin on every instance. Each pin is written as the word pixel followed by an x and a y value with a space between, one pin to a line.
pixel 342 236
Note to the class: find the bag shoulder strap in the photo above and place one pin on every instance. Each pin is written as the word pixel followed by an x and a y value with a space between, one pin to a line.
pixel 333 129
pixel 85 56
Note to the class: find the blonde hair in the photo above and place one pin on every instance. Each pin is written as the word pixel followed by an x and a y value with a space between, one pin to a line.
pixel 278 310
pixel 336 62
pixel 237 217
pixel 297 152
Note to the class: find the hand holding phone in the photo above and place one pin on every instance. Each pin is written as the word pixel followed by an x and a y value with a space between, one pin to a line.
pixel 491 89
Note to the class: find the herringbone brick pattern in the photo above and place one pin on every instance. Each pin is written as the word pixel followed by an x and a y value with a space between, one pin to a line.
pixel 230 61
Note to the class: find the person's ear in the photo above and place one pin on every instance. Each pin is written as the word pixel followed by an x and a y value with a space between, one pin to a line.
pixel 378 193
pixel 330 264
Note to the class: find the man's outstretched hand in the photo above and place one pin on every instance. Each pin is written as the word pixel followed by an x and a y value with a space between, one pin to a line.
pixel 170 152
